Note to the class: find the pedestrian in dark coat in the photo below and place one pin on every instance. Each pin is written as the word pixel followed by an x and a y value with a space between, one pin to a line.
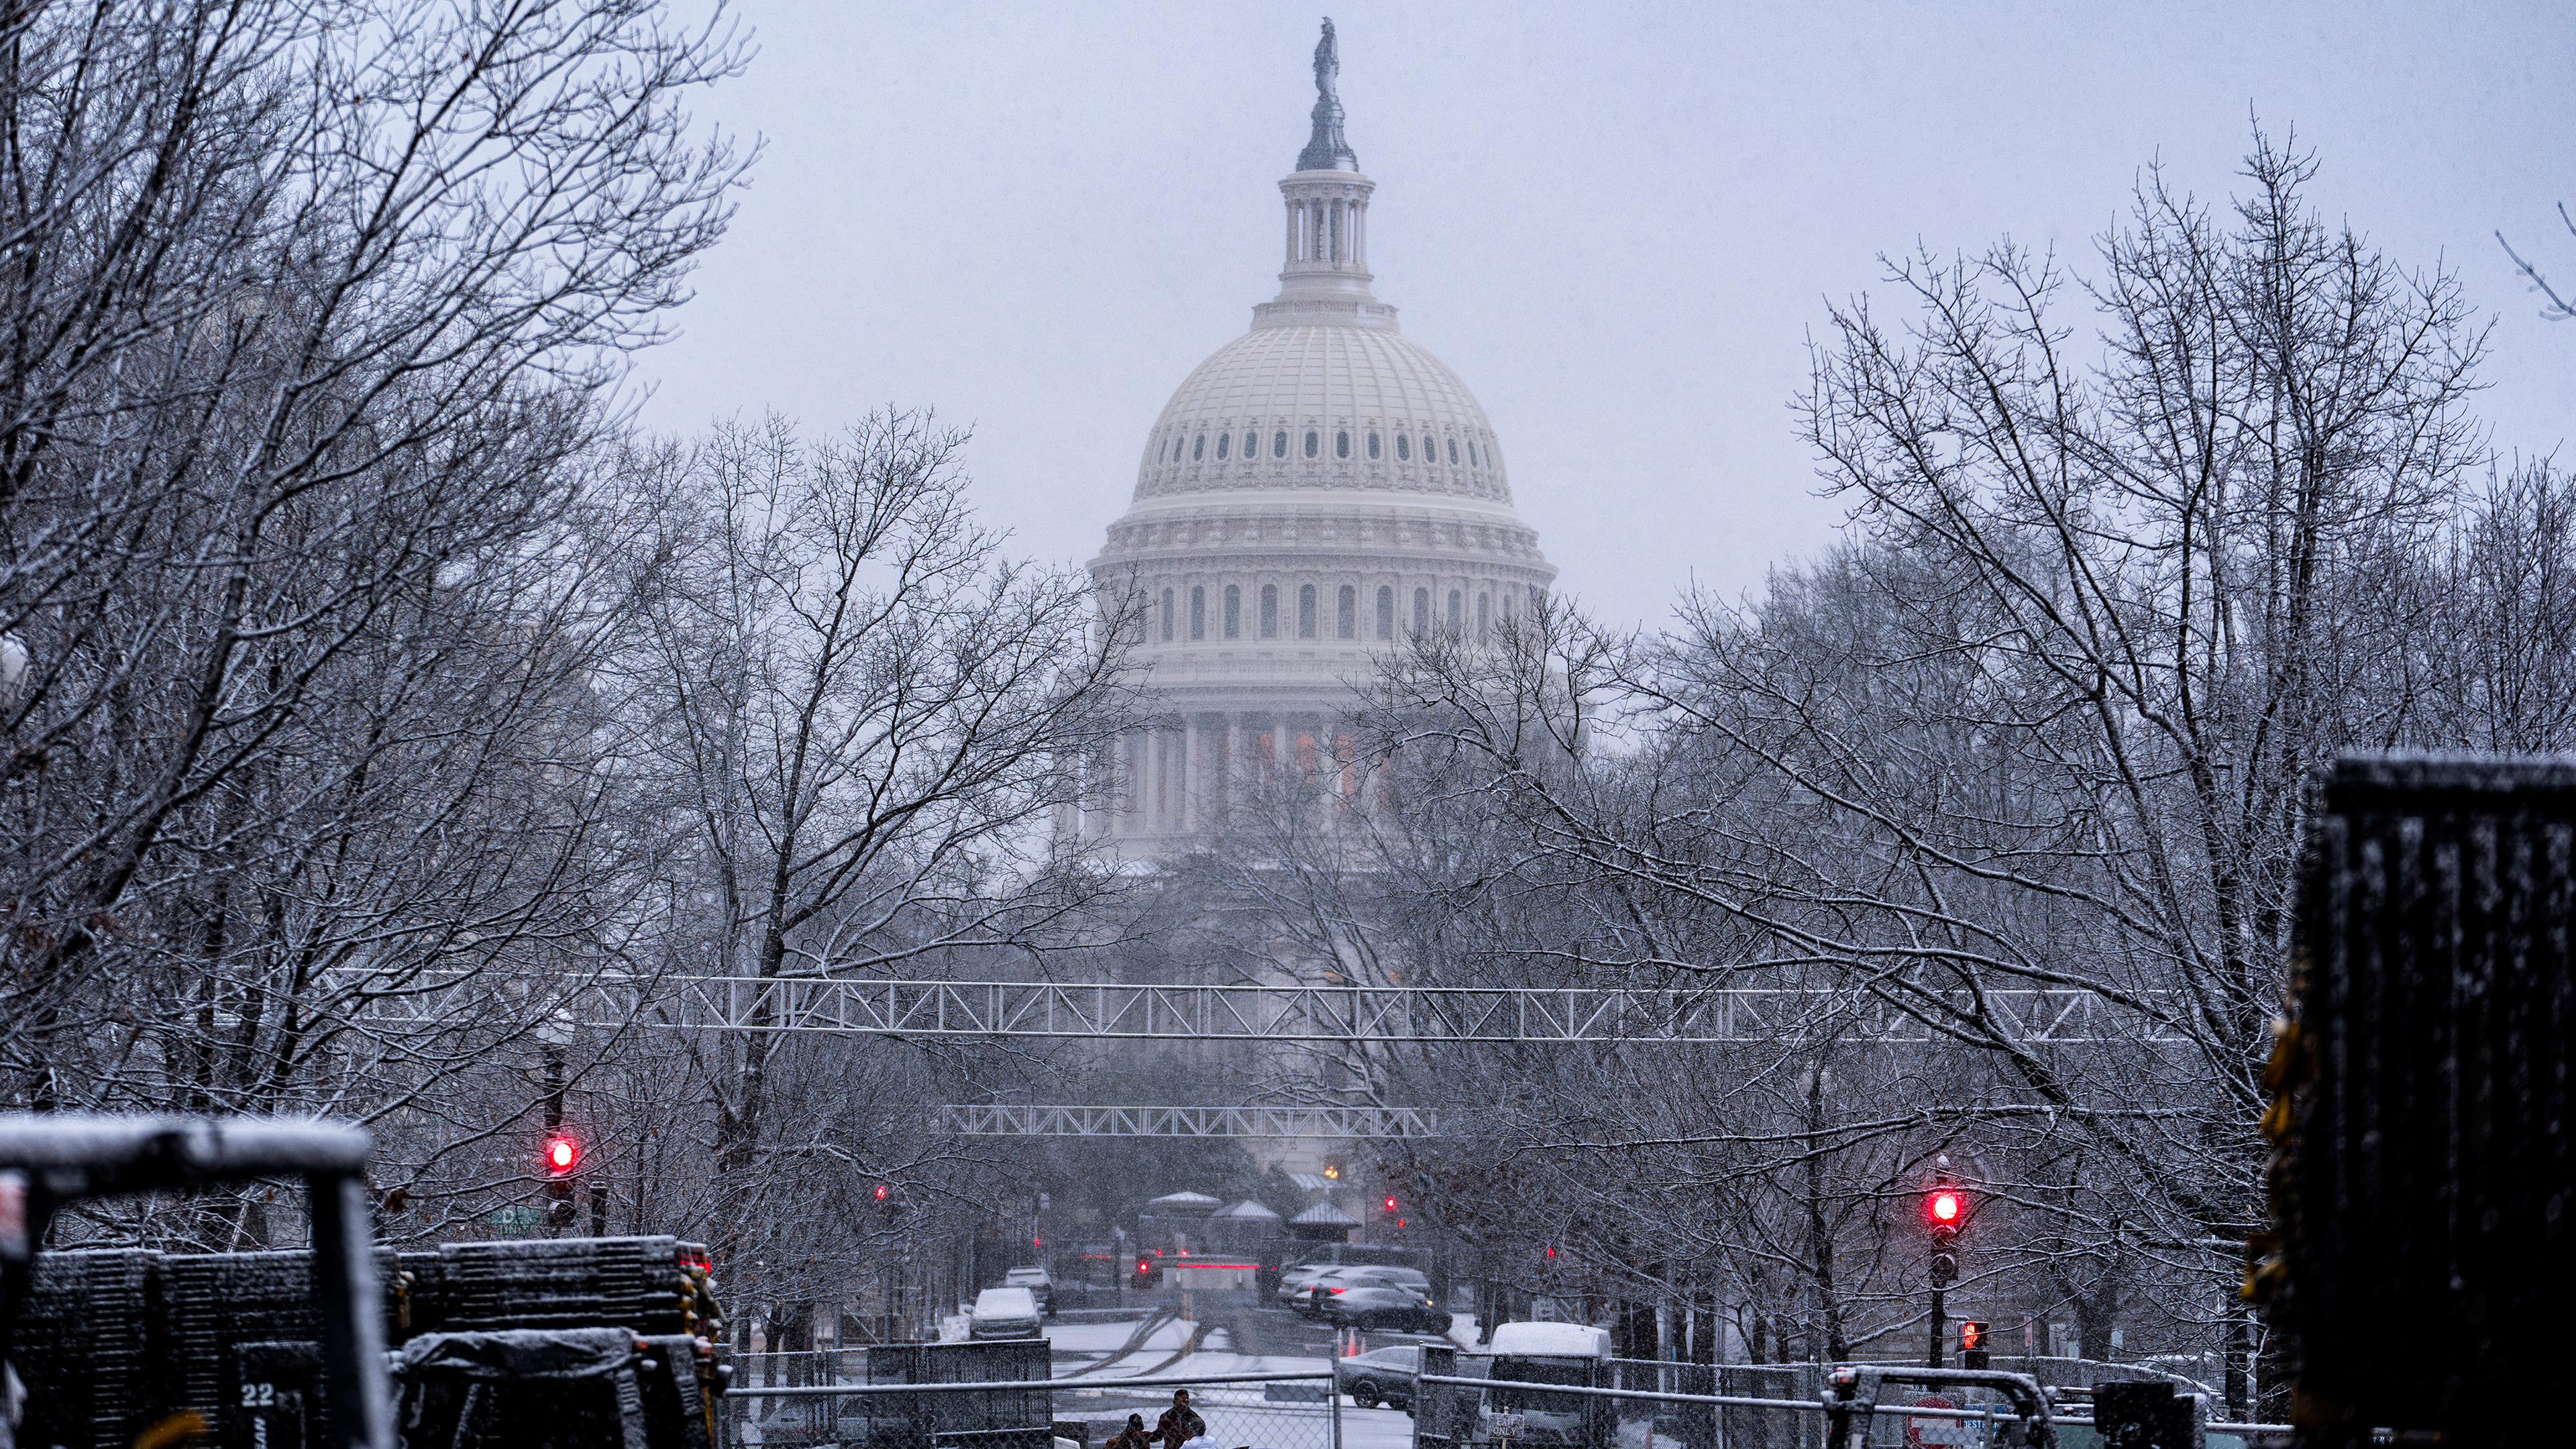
pixel 1179 1424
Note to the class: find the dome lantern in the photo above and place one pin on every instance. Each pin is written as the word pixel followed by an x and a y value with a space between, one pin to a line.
pixel 1327 266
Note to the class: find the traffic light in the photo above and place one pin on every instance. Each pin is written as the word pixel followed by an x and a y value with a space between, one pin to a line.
pixel 1390 1202
pixel 1945 1208
pixel 1972 1344
pixel 562 1155
pixel 881 1192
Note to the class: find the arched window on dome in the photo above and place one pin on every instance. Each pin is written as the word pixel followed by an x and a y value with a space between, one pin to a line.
pixel 1269 611
pixel 1403 448
pixel 1222 439
pixel 1342 444
pixel 1251 446
pixel 1430 453
pixel 1457 612
pixel 1198 447
pixel 1198 611
pixel 1385 612
pixel 1474 460
pixel 1373 447
pixel 1484 618
pixel 1346 618
pixel 1421 611
pixel 1305 611
pixel 1453 452
pixel 1310 442
pixel 1167 616
pixel 1233 611
pixel 1279 444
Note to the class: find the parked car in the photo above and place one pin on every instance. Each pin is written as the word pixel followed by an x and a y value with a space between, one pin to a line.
pixel 1296 1277
pixel 1384 1306
pixel 1380 1376
pixel 1336 1280
pixel 1294 1281
pixel 1003 1313
pixel 1413 1278
pixel 1036 1280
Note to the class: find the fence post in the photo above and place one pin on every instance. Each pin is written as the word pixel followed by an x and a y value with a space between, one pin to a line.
pixel 1333 1407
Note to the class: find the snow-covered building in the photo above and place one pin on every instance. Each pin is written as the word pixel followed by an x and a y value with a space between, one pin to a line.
pixel 1315 492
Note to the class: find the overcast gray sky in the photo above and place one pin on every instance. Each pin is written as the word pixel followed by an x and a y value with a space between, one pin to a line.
pixel 1619 224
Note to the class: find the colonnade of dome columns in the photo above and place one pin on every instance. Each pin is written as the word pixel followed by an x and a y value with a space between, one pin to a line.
pixel 1333 232
pixel 1184 772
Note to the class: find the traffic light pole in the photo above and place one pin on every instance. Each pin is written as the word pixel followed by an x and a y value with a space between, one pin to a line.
pixel 1940 1325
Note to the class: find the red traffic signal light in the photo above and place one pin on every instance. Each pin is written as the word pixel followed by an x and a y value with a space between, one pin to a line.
pixel 881 1192
pixel 562 1155
pixel 1390 1203
pixel 1945 1207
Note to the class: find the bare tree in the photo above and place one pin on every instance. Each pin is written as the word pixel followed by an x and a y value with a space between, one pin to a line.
pixel 2132 554
pixel 312 326
pixel 864 718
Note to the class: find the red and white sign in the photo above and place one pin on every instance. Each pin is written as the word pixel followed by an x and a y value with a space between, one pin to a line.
pixel 1922 1431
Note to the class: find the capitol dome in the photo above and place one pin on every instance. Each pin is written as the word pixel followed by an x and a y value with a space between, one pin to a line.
pixel 1317 492
pixel 1310 405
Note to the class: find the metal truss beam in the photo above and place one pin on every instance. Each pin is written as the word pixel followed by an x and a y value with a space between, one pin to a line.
pixel 1121 1011
pixel 993 1120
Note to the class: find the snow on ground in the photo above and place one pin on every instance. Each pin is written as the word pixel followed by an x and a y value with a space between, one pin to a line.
pixel 1093 1338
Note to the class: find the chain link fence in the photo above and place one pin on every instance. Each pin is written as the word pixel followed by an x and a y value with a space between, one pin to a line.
pixel 1240 1411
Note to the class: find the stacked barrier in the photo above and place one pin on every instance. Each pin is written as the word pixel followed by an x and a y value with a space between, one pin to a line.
pixel 96 1311
pixel 2424 1249
pixel 115 1341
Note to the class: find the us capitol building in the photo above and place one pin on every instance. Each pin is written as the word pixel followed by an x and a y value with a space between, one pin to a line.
pixel 1315 493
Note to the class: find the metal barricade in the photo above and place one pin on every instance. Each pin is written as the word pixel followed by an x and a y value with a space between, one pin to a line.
pixel 1625 1404
pixel 1241 1411
pixel 1635 1404
pixel 1470 1411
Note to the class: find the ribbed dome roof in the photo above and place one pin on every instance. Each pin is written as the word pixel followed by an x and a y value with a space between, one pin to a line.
pixel 1323 406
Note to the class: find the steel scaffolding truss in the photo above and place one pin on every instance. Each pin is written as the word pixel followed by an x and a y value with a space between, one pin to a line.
pixel 1122 1011
pixel 993 1120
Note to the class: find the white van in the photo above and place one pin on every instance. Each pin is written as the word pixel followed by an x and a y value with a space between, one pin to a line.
pixel 1003 1313
pixel 1546 1353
